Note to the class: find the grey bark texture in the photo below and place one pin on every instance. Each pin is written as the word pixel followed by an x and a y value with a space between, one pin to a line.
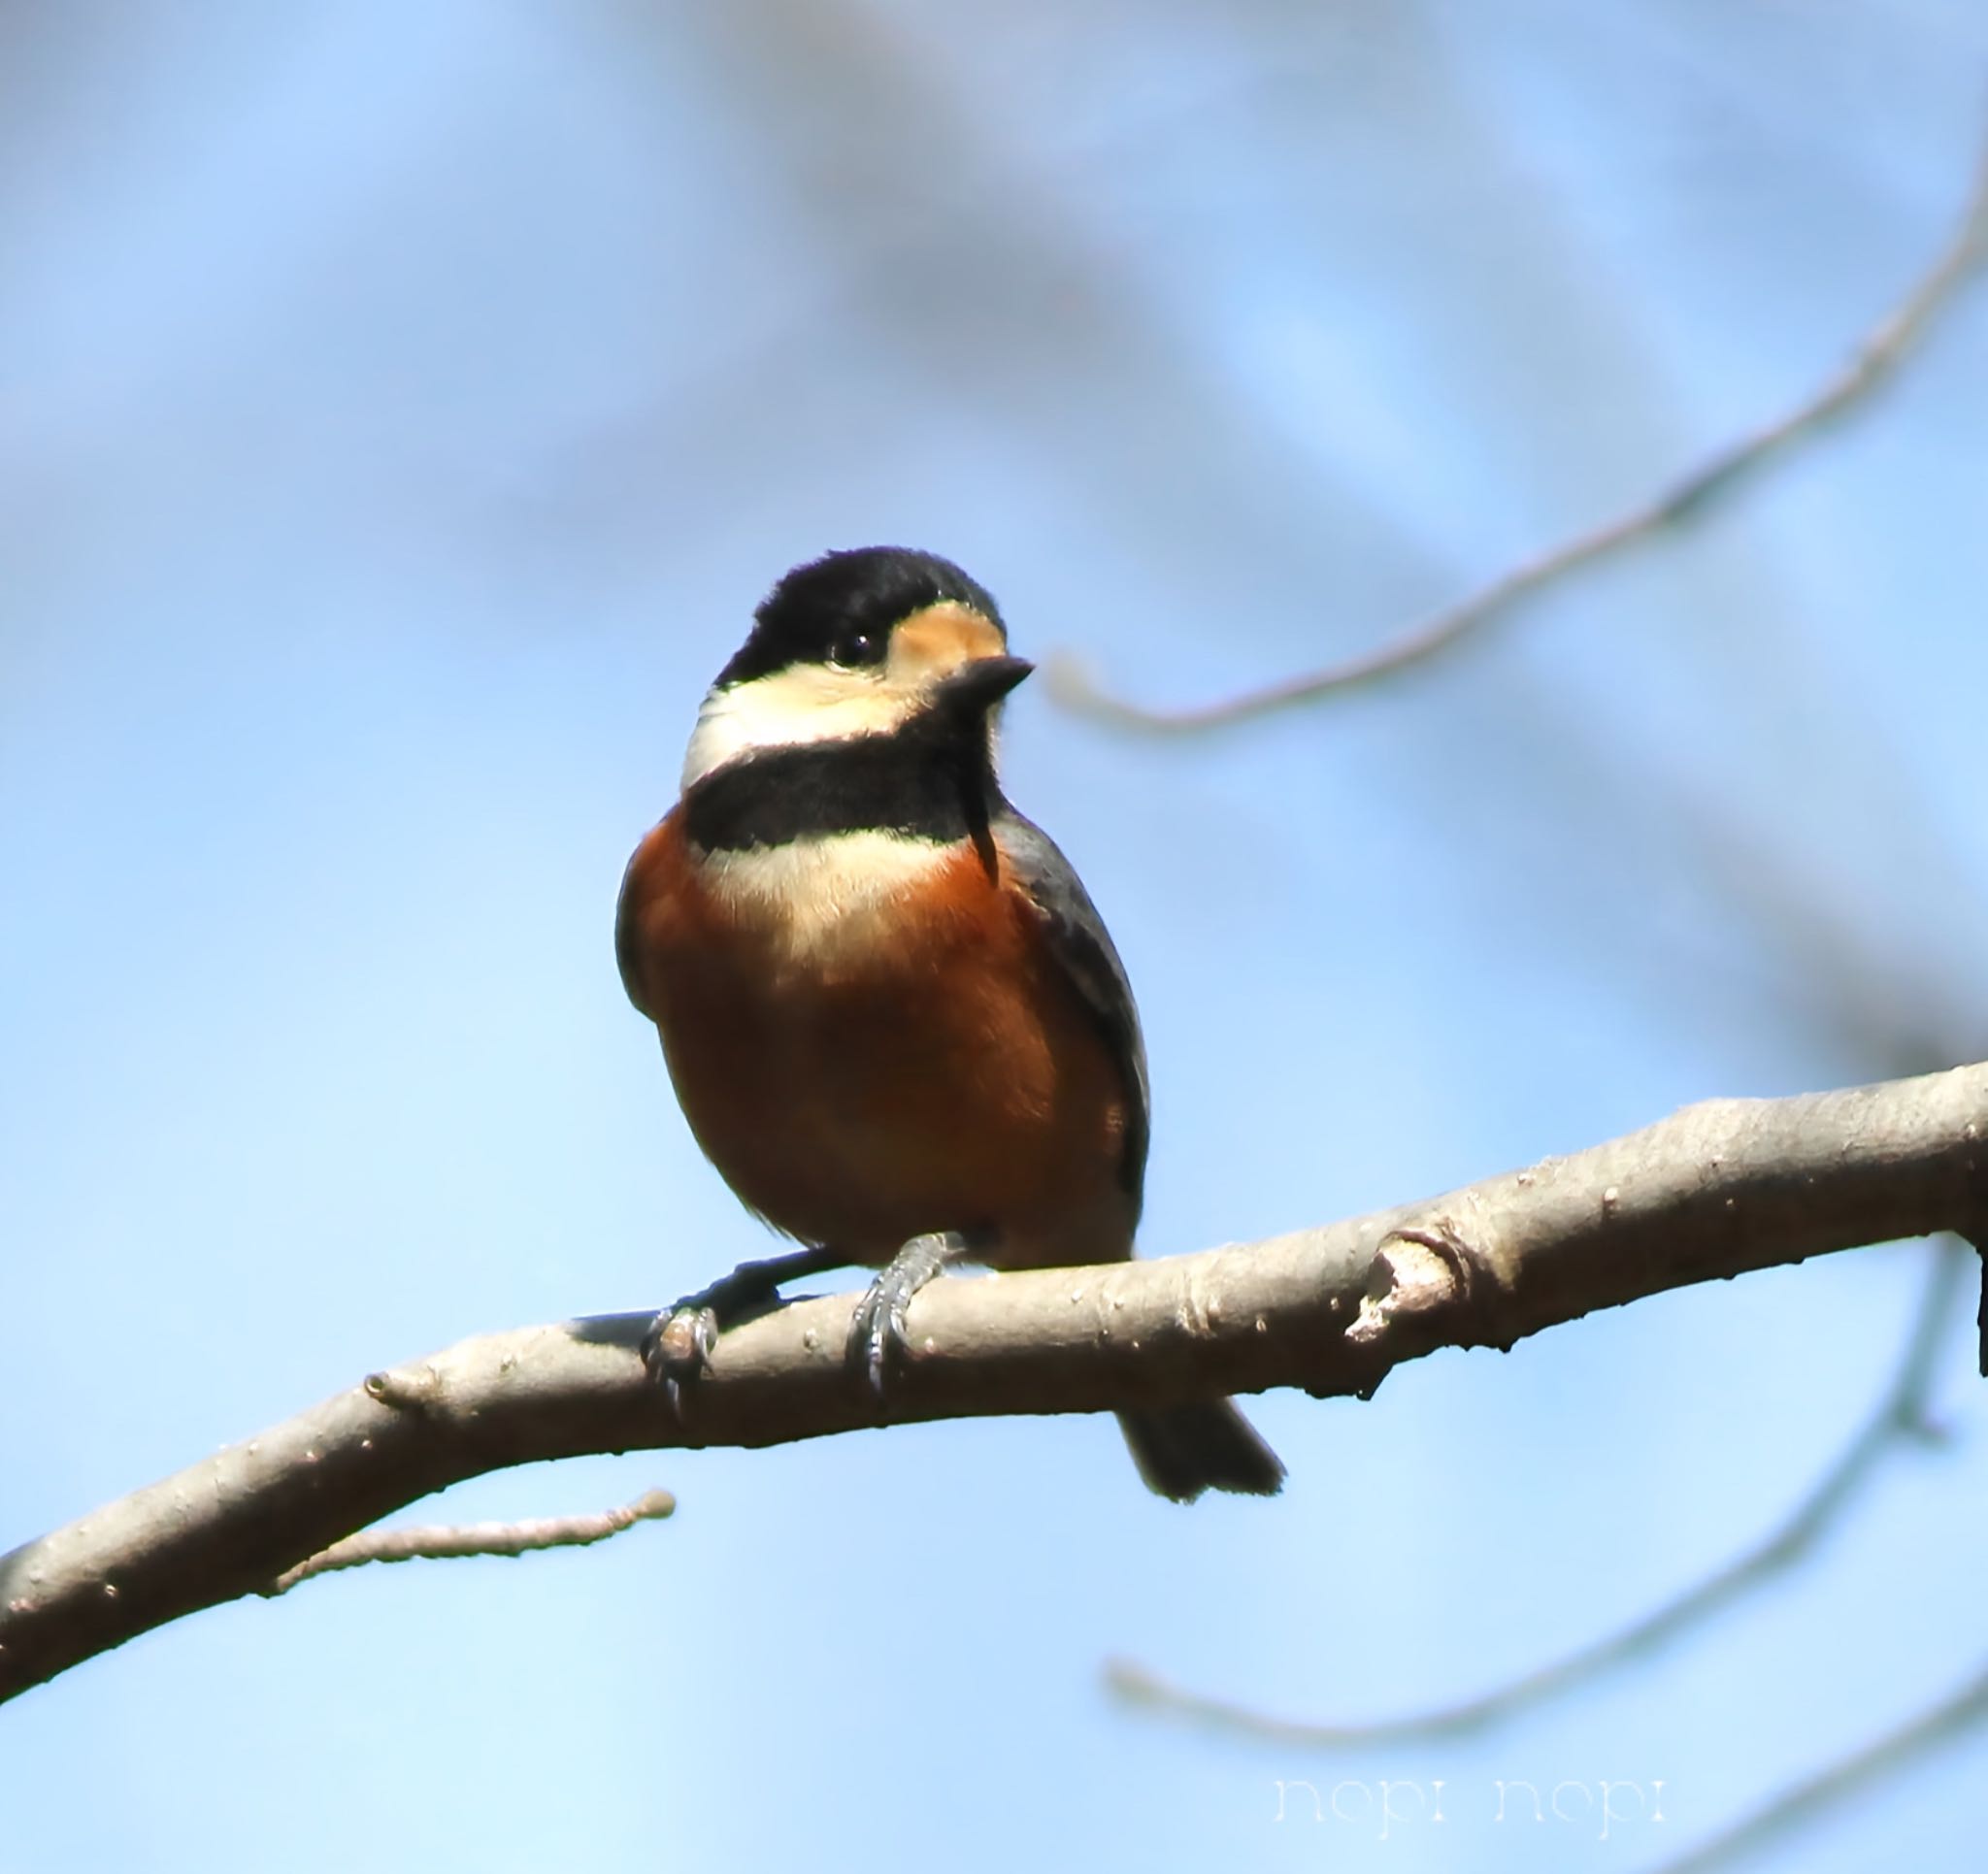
pixel 1716 1190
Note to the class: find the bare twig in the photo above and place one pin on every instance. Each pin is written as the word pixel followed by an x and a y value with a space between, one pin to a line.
pixel 1898 1417
pixel 433 1542
pixel 1714 1191
pixel 1848 1777
pixel 1875 361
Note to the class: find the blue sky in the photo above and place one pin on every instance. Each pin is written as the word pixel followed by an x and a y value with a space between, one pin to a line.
pixel 399 417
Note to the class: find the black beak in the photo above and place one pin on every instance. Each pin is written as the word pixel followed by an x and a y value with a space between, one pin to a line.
pixel 981 683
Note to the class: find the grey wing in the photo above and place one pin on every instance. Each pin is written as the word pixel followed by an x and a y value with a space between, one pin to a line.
pixel 1083 947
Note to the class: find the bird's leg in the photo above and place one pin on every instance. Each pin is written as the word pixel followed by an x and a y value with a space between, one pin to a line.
pixel 877 1333
pixel 679 1344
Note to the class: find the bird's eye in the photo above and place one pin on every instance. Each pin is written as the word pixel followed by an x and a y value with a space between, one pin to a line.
pixel 858 648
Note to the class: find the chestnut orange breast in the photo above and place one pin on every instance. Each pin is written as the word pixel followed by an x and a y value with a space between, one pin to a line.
pixel 871 1038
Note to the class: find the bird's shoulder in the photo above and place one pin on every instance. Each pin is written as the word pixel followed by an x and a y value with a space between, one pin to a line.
pixel 1076 935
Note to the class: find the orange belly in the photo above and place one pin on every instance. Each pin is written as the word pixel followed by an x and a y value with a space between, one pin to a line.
pixel 858 1093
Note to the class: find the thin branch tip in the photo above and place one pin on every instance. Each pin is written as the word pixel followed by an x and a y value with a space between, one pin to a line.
pixel 454 1541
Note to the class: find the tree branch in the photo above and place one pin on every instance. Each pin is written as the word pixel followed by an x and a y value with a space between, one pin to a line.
pixel 1691 498
pixel 1714 1191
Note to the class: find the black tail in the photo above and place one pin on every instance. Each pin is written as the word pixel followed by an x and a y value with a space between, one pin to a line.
pixel 1205 1444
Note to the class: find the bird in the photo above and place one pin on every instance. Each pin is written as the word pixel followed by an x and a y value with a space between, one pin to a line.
pixel 894 1020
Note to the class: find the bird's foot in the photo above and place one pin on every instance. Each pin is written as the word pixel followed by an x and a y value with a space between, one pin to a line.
pixel 877 1332
pixel 682 1340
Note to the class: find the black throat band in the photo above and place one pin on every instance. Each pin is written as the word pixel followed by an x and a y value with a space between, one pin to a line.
pixel 920 781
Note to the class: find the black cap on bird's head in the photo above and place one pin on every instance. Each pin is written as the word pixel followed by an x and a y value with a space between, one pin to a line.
pixel 876 642
pixel 840 608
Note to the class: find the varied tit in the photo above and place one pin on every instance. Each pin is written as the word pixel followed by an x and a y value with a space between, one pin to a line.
pixel 894 1018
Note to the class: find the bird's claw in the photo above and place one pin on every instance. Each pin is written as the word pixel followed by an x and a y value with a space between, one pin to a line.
pixel 681 1342
pixel 877 1335
pixel 679 1347
pixel 878 1341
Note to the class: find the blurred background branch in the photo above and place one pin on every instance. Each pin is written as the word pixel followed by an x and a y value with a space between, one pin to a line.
pixel 1873 364
pixel 1899 1421
pixel 1795 1808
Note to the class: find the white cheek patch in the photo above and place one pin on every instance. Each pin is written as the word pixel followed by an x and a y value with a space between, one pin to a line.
pixel 824 900
pixel 805 703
